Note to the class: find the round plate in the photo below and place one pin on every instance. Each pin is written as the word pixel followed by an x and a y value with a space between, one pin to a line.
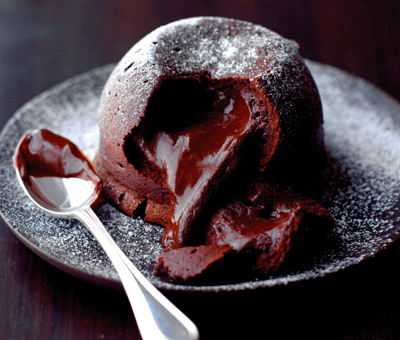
pixel 362 134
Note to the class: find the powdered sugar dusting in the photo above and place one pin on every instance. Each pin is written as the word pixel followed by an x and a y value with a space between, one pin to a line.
pixel 362 129
pixel 225 47
pixel 221 47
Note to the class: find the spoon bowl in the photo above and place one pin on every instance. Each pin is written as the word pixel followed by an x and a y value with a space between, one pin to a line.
pixel 61 181
pixel 61 196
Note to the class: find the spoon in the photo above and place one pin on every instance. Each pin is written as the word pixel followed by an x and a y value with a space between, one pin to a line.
pixel 61 180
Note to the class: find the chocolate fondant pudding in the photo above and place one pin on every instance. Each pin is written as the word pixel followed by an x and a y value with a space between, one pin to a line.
pixel 198 119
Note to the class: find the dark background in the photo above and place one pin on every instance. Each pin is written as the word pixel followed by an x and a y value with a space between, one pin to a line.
pixel 43 42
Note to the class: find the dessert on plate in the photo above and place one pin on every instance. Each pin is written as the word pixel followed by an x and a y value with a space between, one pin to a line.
pixel 213 128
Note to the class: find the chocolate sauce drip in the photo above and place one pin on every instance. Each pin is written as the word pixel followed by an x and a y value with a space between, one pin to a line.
pixel 191 157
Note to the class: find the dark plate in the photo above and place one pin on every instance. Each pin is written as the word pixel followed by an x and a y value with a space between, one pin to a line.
pixel 362 131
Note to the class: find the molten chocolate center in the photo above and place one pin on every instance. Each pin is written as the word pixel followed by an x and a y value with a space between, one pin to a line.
pixel 191 156
pixel 189 134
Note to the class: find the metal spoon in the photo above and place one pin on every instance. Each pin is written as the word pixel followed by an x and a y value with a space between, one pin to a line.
pixel 70 196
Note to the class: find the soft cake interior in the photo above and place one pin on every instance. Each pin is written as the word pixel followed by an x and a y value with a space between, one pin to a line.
pixel 192 137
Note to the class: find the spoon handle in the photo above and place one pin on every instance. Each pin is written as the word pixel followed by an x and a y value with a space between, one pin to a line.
pixel 156 316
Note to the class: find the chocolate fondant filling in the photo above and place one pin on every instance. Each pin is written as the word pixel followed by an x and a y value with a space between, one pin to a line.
pixel 190 135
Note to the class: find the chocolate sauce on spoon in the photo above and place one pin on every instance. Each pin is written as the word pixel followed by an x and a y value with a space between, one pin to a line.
pixel 42 153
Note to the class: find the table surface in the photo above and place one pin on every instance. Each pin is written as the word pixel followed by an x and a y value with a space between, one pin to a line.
pixel 44 42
